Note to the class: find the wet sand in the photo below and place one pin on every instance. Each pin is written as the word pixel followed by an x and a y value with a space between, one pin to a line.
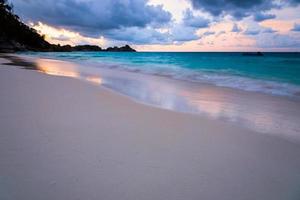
pixel 66 139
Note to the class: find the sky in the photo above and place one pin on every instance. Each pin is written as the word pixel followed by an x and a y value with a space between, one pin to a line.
pixel 167 25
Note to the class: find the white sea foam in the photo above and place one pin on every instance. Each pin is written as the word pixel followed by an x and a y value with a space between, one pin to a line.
pixel 220 78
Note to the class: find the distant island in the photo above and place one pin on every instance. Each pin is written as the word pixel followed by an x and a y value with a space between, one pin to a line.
pixel 253 54
pixel 69 48
pixel 17 36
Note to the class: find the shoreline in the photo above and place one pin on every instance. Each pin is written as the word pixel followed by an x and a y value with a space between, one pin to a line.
pixel 267 114
pixel 64 139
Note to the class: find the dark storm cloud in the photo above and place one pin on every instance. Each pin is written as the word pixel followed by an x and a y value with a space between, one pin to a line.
pixel 241 8
pixel 92 17
pixel 236 8
pixel 263 16
pixel 130 21
pixel 294 2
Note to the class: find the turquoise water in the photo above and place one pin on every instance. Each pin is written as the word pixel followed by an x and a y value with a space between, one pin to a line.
pixel 273 73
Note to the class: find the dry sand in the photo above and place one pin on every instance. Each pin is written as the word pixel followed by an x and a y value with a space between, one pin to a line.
pixel 64 139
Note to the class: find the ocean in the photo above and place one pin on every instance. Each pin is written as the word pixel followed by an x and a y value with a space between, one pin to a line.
pixel 273 73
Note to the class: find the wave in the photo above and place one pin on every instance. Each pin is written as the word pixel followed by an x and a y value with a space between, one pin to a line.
pixel 159 66
pixel 222 78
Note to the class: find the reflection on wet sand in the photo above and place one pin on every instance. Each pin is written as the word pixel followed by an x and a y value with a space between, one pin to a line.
pixel 58 68
pixel 259 112
pixel 206 101
pixel 219 105
pixel 53 68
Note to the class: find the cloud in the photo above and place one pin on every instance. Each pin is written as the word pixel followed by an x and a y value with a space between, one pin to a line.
pixel 137 35
pixel 130 21
pixel 278 41
pixel 63 37
pixel 189 19
pixel 259 17
pixel 242 8
pixel 187 29
pixel 142 22
pixel 177 33
pixel 93 17
pixel 173 33
pixel 235 8
pixel 207 33
pixel 181 33
pixel 236 29
pixel 251 31
pixel 255 29
pixel 296 27
pixel 268 30
pixel 220 33
pixel 293 2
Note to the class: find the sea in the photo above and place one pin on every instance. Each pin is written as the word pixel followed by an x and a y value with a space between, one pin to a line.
pixel 273 73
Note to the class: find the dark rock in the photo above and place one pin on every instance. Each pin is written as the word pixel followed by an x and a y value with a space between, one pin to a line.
pixel 68 48
pixel 87 48
pixel 125 48
pixel 253 54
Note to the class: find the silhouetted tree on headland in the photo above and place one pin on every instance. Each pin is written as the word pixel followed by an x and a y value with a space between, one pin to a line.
pixel 16 33
pixel 17 36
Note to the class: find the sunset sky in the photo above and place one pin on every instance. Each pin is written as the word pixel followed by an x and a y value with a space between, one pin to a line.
pixel 168 25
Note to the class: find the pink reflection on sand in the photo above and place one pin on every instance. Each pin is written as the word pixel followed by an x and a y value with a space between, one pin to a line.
pixel 207 101
pixel 60 68
pixel 94 79
pixel 54 68
pixel 219 105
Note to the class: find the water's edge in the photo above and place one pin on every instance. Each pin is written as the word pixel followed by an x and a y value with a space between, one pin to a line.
pixel 262 113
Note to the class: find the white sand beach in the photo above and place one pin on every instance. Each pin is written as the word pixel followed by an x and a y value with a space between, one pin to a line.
pixel 65 139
